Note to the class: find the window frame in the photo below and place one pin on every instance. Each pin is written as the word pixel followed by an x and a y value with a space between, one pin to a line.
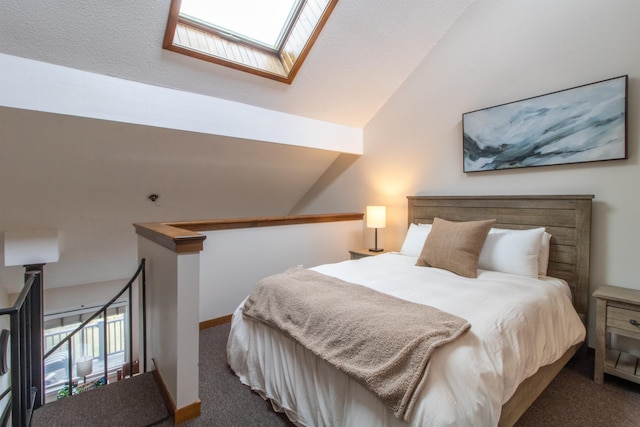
pixel 285 30
pixel 195 38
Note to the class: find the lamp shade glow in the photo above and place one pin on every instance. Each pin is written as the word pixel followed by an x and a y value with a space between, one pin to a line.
pixel 376 217
pixel 31 247
pixel 84 367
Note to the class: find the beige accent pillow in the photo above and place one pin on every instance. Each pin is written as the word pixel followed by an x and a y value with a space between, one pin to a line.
pixel 455 246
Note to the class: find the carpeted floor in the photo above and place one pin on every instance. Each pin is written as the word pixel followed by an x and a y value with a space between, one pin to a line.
pixel 134 402
pixel 572 399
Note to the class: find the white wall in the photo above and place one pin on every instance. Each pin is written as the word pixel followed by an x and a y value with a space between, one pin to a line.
pixel 503 51
pixel 172 323
pixel 90 179
pixel 233 261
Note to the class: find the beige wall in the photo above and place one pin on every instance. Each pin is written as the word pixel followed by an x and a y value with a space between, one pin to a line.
pixel 502 51
pixel 90 179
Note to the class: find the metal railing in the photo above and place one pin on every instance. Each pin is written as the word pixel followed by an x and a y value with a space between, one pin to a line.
pixel 89 338
pixel 104 340
pixel 87 346
pixel 25 393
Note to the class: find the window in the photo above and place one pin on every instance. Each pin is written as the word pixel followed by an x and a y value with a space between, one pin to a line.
pixel 87 344
pixel 266 25
pixel 267 38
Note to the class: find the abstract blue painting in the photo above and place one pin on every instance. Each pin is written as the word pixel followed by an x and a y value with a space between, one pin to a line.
pixel 582 124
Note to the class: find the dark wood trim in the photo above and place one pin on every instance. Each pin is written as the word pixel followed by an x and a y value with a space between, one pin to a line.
pixel 215 322
pixel 172 23
pixel 187 413
pixel 312 39
pixel 164 391
pixel 507 197
pixel 183 236
pixel 179 414
pixel 228 63
pixel 178 240
pixel 233 223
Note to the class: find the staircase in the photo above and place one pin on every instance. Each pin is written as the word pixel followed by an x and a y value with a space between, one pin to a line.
pixel 133 402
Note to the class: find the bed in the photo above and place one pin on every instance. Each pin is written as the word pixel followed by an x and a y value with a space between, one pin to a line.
pixel 488 375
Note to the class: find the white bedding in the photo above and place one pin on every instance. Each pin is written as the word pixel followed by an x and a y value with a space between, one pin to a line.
pixel 518 324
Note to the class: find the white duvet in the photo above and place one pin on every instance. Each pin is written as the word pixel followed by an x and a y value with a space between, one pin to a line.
pixel 518 324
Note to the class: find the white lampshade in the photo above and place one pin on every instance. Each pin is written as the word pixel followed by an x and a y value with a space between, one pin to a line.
pixel 84 367
pixel 376 216
pixel 31 247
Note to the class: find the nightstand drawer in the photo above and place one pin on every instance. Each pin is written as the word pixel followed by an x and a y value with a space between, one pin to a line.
pixel 624 319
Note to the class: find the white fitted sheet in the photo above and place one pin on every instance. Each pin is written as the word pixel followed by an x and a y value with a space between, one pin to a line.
pixel 518 324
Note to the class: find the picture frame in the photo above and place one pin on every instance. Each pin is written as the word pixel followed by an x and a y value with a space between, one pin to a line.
pixel 586 123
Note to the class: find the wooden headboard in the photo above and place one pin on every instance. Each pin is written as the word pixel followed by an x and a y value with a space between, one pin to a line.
pixel 567 218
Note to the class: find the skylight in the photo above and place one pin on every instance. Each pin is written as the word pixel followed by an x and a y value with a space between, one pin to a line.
pixel 265 22
pixel 270 38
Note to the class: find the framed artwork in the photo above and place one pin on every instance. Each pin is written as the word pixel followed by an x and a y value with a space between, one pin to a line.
pixel 586 123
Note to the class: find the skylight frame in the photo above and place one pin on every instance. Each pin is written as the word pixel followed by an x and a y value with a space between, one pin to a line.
pixel 199 40
pixel 285 31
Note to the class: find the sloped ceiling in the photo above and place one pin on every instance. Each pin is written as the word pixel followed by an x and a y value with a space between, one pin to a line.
pixel 366 50
pixel 90 178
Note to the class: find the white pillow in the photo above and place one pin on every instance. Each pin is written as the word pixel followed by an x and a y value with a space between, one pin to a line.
pixel 543 256
pixel 415 238
pixel 512 251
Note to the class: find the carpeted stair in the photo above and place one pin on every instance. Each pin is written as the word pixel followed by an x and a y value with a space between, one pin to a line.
pixel 132 402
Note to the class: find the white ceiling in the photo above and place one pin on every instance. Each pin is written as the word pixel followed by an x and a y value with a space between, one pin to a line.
pixel 365 52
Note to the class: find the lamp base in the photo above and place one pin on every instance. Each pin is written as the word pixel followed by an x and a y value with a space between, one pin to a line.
pixel 376 250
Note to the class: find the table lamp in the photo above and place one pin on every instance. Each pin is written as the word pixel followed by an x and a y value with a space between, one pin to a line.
pixel 376 218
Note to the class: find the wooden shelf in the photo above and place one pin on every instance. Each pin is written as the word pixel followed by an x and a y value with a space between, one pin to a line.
pixel 623 365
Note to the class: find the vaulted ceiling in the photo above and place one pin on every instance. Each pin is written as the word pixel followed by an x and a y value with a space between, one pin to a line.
pixel 92 174
pixel 365 51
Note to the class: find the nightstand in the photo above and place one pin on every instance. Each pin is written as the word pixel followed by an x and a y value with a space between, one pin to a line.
pixel 618 312
pixel 363 253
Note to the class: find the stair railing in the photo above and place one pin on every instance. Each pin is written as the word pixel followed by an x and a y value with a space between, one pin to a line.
pixel 140 272
pixel 25 393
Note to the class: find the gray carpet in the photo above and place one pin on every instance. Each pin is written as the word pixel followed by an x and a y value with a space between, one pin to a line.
pixel 572 399
pixel 225 400
pixel 134 402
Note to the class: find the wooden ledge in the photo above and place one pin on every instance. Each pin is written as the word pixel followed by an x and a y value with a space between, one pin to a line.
pixel 176 239
pixel 183 236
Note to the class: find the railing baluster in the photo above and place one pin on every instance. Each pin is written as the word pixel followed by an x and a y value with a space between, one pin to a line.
pixel 36 332
pixel 144 314
pixel 16 384
pixel 24 390
pixel 70 367
pixel 19 401
pixel 105 342
pixel 130 337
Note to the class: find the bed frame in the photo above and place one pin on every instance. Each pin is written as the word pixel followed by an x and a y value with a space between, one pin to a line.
pixel 567 218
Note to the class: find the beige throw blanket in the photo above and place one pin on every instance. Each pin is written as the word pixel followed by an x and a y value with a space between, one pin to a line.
pixel 381 341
